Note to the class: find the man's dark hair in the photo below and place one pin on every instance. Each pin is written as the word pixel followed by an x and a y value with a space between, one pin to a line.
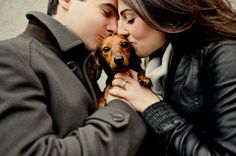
pixel 52 7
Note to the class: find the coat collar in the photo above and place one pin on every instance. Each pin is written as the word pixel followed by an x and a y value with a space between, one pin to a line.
pixel 65 38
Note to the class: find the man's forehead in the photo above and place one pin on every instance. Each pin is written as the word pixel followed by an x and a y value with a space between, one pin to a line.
pixel 112 2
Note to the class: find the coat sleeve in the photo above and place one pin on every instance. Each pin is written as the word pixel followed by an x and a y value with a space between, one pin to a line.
pixel 26 125
pixel 181 136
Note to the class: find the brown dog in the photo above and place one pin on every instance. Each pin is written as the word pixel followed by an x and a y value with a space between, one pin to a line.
pixel 115 54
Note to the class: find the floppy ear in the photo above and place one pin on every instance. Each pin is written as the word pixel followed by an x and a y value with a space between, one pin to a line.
pixel 97 57
pixel 100 61
pixel 135 61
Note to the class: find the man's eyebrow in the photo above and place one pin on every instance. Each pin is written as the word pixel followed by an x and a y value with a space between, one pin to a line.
pixel 111 6
pixel 126 10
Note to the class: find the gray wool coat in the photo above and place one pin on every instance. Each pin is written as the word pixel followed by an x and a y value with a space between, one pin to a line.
pixel 46 110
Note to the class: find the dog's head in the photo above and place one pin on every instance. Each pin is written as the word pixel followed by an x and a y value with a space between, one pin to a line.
pixel 114 53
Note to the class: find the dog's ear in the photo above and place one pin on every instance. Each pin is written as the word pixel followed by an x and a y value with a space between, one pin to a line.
pixel 100 61
pixel 135 61
pixel 97 57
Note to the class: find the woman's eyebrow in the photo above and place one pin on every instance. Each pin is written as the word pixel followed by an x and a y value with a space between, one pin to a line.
pixel 125 10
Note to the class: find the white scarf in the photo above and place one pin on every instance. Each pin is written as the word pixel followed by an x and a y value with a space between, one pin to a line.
pixel 156 68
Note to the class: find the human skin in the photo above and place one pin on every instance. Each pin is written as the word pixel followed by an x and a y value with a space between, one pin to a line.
pixel 143 38
pixel 90 25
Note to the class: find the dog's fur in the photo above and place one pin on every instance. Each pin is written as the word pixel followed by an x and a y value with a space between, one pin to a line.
pixel 115 54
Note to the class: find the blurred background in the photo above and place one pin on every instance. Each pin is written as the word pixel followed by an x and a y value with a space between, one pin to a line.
pixel 12 19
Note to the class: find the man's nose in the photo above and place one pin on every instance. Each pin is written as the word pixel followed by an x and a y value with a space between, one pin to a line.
pixel 112 27
pixel 121 29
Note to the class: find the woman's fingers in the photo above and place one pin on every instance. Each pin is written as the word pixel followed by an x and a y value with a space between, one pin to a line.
pixel 120 82
pixel 129 74
pixel 133 74
pixel 122 76
pixel 117 91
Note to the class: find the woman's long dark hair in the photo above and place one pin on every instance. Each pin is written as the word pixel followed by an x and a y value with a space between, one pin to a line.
pixel 215 18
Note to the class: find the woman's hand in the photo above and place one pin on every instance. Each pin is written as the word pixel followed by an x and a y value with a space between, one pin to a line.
pixel 127 87
pixel 108 97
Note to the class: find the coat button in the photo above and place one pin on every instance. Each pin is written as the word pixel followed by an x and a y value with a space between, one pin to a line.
pixel 72 65
pixel 118 117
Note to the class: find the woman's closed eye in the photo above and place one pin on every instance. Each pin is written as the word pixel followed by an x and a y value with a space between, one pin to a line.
pixel 130 21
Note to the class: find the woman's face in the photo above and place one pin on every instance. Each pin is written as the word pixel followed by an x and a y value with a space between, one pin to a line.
pixel 143 38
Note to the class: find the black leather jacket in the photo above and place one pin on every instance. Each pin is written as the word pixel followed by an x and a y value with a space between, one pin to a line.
pixel 198 114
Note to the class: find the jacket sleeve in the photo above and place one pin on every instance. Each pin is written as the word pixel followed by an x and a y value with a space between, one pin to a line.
pixel 26 125
pixel 181 136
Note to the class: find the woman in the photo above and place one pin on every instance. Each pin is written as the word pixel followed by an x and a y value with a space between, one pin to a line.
pixel 197 115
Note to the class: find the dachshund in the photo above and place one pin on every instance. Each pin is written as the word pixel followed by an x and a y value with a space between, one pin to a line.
pixel 115 54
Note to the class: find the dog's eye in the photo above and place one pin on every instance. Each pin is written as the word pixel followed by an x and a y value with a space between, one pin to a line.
pixel 106 49
pixel 124 44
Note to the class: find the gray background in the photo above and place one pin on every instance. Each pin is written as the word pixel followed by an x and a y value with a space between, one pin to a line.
pixel 12 15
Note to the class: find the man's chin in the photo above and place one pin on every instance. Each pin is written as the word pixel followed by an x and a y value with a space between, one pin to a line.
pixel 91 47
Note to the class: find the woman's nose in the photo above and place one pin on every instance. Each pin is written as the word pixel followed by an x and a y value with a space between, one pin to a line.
pixel 122 30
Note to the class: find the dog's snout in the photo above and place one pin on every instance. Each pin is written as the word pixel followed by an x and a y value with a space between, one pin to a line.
pixel 119 60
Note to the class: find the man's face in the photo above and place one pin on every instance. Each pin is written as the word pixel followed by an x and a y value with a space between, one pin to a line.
pixel 91 20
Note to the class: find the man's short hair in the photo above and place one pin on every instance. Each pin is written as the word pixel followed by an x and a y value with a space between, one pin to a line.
pixel 52 6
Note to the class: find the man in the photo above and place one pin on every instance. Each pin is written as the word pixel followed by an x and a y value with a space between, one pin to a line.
pixel 47 103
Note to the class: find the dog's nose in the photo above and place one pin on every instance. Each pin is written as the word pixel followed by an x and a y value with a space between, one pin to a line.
pixel 119 60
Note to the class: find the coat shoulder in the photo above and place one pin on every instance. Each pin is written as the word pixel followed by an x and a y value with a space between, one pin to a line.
pixel 19 46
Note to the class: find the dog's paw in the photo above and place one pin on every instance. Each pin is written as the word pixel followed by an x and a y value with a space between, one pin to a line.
pixel 101 102
pixel 143 80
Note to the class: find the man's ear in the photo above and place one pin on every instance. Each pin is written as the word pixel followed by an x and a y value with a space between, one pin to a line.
pixel 65 4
